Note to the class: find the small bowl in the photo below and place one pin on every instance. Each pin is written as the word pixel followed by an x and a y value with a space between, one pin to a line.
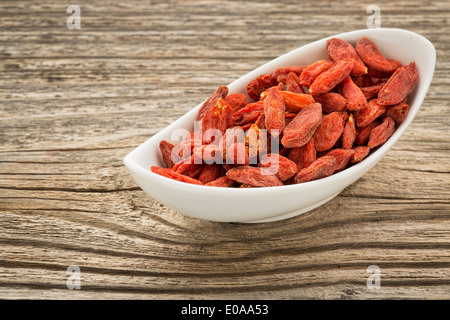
pixel 276 203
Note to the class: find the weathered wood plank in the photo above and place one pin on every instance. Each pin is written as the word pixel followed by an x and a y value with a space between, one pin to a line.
pixel 73 103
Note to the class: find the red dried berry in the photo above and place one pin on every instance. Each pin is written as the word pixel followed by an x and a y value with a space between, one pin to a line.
pixel 209 173
pixel 300 130
pixel 296 102
pixel 293 84
pixel 321 168
pixel 372 91
pixel 331 102
pixel 329 131
pixel 274 110
pixel 342 157
pixel 220 92
pixel 303 156
pixel 166 153
pixel 339 50
pixel 280 166
pixel 349 134
pixel 352 94
pixel 282 73
pixel 399 85
pixel 168 173
pixel 237 101
pixel 217 117
pixel 249 113
pixel 259 85
pixel 363 133
pixel 369 113
pixel 381 133
pixel 328 79
pixel 398 112
pixel 372 58
pixel 360 153
pixel 224 182
pixel 312 71
pixel 258 177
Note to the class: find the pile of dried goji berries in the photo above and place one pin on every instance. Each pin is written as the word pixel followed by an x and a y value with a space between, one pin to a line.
pixel 303 123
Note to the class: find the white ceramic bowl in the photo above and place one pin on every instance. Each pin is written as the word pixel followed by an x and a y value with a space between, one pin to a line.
pixel 276 203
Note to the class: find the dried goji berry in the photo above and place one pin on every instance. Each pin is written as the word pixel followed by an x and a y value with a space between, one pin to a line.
pixel 209 173
pixel 280 166
pixel 255 143
pixel 381 133
pixel 369 54
pixel 247 126
pixel 237 101
pixel 188 167
pixel 232 136
pixel 290 115
pixel 398 112
pixel 352 94
pixel 236 154
pixel 293 84
pixel 399 85
pixel 281 74
pixel 258 177
pixel 295 102
pixel 260 84
pixel 274 110
pixel 209 154
pixel 220 92
pixel 328 79
pixel 349 134
pixel 312 71
pixel 300 130
pixel 181 151
pixel 363 133
pixel 339 49
pixel 169 173
pixel 321 168
pixel 331 102
pixel 342 157
pixel 221 182
pixel 372 91
pixel 360 153
pixel 260 122
pixel 249 113
pixel 246 186
pixel 328 132
pixel 166 153
pixel 303 156
pixel 364 80
pixel 217 117
pixel 280 86
pixel 369 113
pixel 375 74
pixel 344 115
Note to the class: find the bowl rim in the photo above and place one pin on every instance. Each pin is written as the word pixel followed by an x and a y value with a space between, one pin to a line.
pixel 346 174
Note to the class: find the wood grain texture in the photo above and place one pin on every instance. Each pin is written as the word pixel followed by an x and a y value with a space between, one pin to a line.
pixel 73 103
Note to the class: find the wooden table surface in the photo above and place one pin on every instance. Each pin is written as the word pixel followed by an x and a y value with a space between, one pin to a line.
pixel 74 102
